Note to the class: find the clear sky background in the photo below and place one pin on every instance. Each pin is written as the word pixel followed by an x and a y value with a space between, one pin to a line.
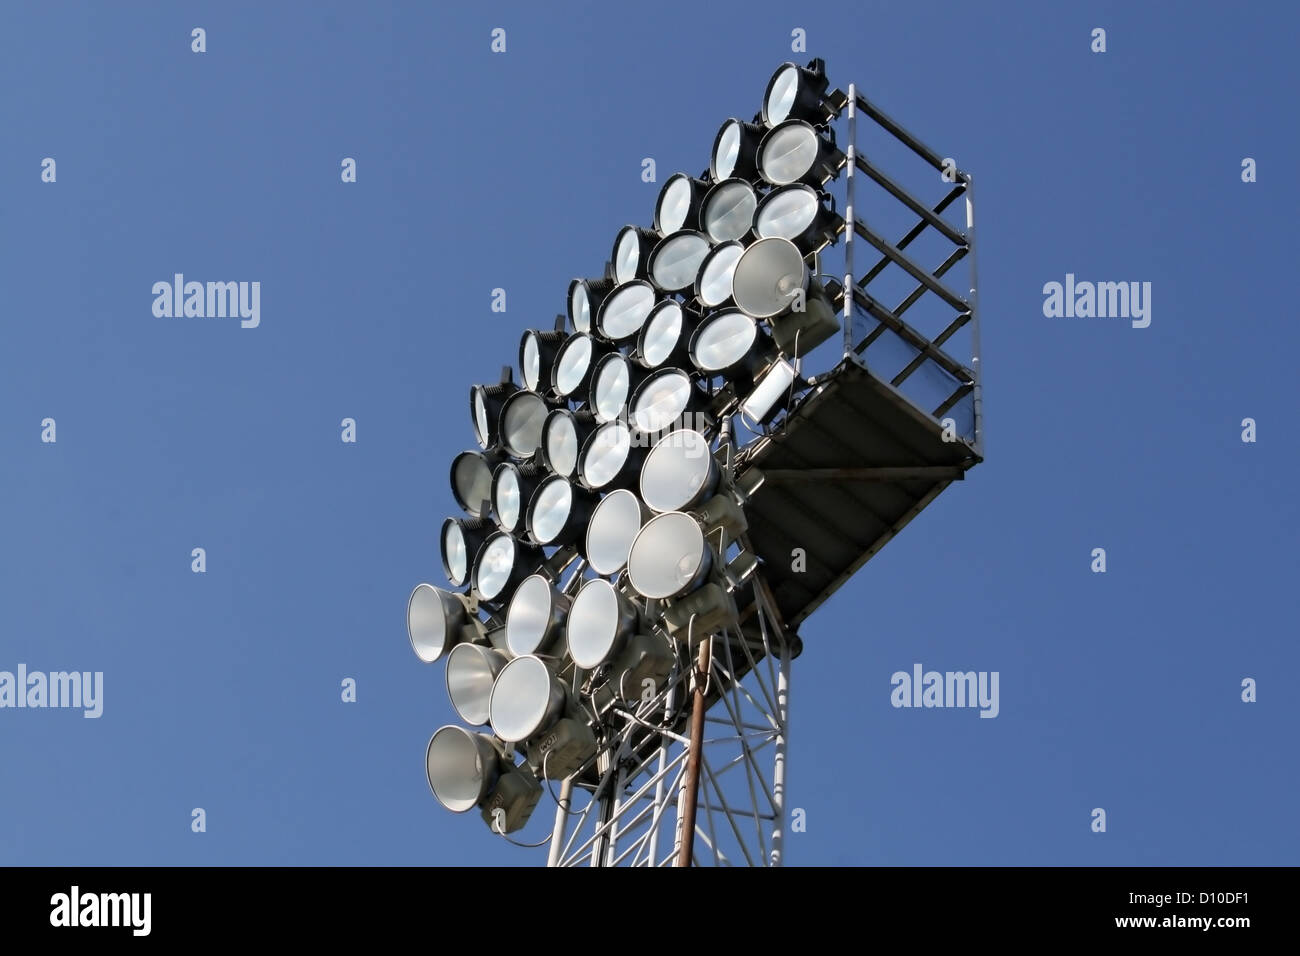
pixel 222 690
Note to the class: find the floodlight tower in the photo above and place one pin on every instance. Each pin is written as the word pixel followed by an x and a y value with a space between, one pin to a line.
pixel 727 424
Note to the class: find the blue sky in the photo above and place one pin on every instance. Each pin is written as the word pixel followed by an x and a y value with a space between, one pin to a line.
pixel 475 171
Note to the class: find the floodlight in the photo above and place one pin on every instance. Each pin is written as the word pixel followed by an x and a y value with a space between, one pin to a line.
pixel 796 213
pixel 600 621
pixel 670 557
pixel 664 336
pixel 526 699
pixel 520 428
pixel 585 297
pixel 713 283
pixel 728 210
pixel 794 153
pixel 572 373
pixel 667 399
pixel 612 382
pixel 680 472
pixel 501 564
pixel 471 480
pixel 471 670
pixel 462 767
pixel 512 489
pixel 437 620
pixel 676 261
pixel 679 204
pixel 563 433
pixel 559 511
pixel 536 616
pixel 797 92
pixel 466 770
pixel 734 150
pixel 537 357
pixel 730 343
pixel 610 458
pixel 613 526
pixel 765 402
pixel 624 310
pixel 485 402
pixel 771 281
pixel 632 253
pixel 603 628
pixel 460 541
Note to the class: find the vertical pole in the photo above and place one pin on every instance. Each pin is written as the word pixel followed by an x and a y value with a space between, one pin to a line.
pixel 850 183
pixel 616 804
pixel 603 762
pixel 660 787
pixel 977 400
pixel 691 785
pixel 561 823
pixel 778 763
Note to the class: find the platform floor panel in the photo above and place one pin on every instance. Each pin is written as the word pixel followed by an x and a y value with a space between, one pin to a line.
pixel 821 495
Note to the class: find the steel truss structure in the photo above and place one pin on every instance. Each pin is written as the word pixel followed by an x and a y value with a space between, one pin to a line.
pixel 860 450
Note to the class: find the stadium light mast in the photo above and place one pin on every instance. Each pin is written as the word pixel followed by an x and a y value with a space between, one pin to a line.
pixel 726 424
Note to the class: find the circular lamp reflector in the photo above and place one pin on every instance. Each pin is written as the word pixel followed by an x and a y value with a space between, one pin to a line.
pixel 558 512
pixel 562 437
pixel 600 620
pixel 676 261
pixel 680 472
pixel 613 526
pixel 794 153
pixel 585 297
pixel 624 312
pixel 679 204
pixel 606 455
pixel 733 150
pixel 728 211
pixel 471 482
pixel 662 335
pixel 471 670
pixel 521 423
pixel 669 557
pixel 500 565
pixel 723 342
pixel 573 364
pixel 510 494
pixel 536 616
pixel 631 252
pixel 794 92
pixel 713 284
pixel 485 402
pixel 530 359
pixel 726 150
pixel 611 383
pixel 461 767
pixel 787 213
pixel 537 357
pixel 662 400
pixel 768 277
pixel 549 511
pixel 433 616
pixel 525 700
pixel 460 540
